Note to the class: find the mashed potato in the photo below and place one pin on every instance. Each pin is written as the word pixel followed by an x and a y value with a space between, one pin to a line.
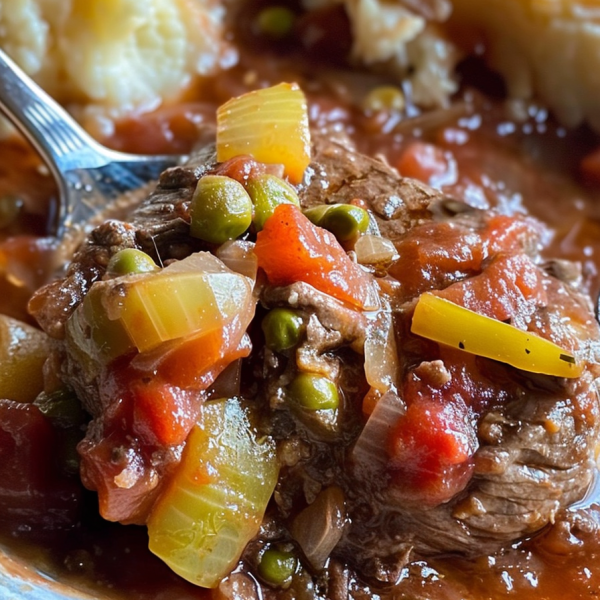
pixel 548 50
pixel 116 55
pixel 402 37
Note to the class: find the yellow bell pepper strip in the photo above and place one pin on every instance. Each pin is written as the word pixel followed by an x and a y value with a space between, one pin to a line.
pixel 215 501
pixel 269 124
pixel 447 323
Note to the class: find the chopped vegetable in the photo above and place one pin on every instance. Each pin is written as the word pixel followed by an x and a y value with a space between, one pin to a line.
pixel 314 392
pixel 23 351
pixel 447 323
pixel 319 527
pixel 267 192
pixel 282 328
pixel 375 250
pixel 345 221
pixel 214 503
pixel 382 367
pixel 239 256
pixel 196 295
pixel 277 567
pixel 275 21
pixel 269 124
pixel 130 261
pixel 290 248
pixel 221 209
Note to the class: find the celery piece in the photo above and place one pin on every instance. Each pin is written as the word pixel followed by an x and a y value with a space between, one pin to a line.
pixel 270 124
pixel 196 295
pixel 215 501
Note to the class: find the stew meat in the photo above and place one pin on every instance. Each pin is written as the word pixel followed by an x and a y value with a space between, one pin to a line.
pixel 460 455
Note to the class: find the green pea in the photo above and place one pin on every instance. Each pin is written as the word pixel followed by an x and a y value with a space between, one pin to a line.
pixel 130 261
pixel 277 567
pixel 385 97
pixel 345 221
pixel 282 328
pixel 221 209
pixel 314 392
pixel 275 21
pixel 268 192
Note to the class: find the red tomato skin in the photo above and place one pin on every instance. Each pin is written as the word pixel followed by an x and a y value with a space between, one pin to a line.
pixel 290 248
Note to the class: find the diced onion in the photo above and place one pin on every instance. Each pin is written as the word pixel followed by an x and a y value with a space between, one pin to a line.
pixel 269 124
pixel 239 256
pixel 214 503
pixel 374 250
pixel 443 321
pixel 193 296
pixel 381 355
pixel 369 453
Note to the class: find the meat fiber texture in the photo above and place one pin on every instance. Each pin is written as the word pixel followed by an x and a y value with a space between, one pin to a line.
pixel 113 56
pixel 546 50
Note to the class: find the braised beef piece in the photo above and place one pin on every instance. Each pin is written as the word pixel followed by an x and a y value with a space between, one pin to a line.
pixel 534 437
pixel 536 434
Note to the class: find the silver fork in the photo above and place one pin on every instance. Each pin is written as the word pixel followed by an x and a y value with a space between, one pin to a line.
pixel 89 176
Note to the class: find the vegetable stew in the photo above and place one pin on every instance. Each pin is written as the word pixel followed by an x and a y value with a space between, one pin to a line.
pixel 352 354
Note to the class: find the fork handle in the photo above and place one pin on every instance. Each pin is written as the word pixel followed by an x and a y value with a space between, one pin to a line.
pixel 50 129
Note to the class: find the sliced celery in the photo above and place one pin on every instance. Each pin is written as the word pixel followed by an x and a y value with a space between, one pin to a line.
pixel 214 503
pixel 270 124
pixel 196 295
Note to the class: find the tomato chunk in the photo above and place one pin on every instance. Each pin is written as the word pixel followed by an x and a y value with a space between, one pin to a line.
pixel 290 249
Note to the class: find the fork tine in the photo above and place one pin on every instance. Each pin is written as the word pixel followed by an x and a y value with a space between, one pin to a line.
pixel 88 174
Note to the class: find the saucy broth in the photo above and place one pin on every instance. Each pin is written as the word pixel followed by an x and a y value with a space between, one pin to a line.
pixel 479 149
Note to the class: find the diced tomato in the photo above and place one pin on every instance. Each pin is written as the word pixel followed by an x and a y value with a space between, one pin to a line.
pixel 508 286
pixel 290 249
pixel 196 362
pixel 430 451
pixel 434 255
pixel 162 413
pixel 504 234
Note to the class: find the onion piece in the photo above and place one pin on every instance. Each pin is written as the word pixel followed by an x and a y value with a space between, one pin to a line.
pixel 193 296
pixel 374 250
pixel 382 368
pixel 319 527
pixel 215 501
pixel 370 449
pixel 239 256
pixel 269 124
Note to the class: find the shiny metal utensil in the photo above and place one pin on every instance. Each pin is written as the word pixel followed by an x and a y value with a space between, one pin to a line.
pixel 88 175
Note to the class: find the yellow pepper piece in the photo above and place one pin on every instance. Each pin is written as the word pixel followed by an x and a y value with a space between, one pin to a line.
pixel 269 124
pixel 443 321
